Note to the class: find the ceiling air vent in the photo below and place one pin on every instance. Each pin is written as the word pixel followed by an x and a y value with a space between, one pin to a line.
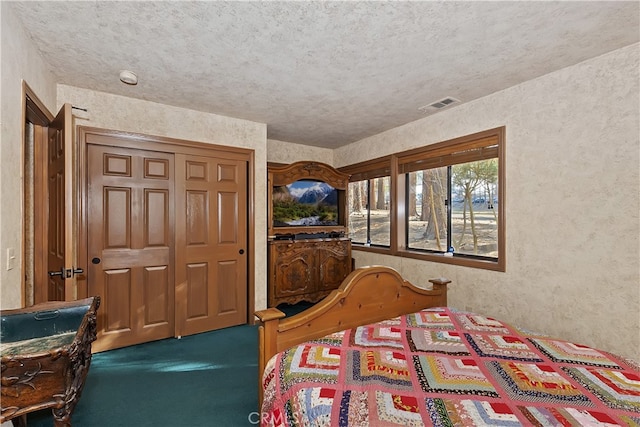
pixel 438 105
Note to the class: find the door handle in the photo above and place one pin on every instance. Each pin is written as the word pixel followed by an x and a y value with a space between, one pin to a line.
pixel 241 251
pixel 57 273
pixel 66 273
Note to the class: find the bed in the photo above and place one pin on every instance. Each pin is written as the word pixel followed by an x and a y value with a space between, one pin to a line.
pixel 46 355
pixel 379 351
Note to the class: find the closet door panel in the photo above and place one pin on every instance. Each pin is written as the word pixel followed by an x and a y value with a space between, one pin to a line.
pixel 131 244
pixel 211 224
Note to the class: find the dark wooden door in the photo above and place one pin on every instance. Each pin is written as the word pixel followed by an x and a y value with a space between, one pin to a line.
pixel 211 225
pixel 130 207
pixel 59 191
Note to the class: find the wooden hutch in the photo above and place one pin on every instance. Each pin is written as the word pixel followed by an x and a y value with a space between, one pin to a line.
pixel 308 257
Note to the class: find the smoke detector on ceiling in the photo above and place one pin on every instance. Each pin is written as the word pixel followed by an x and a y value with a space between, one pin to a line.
pixel 128 77
pixel 439 105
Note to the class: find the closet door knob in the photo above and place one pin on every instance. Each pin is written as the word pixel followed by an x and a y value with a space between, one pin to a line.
pixel 241 251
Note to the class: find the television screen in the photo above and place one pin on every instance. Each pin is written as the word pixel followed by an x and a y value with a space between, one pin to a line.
pixel 305 203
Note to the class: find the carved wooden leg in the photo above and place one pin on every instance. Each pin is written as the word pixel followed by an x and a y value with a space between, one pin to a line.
pixel 61 418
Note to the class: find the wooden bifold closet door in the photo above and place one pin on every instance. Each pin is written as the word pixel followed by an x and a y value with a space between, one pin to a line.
pixel 166 241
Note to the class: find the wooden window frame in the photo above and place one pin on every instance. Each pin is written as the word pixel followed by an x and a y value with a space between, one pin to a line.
pixel 481 145
pixel 368 170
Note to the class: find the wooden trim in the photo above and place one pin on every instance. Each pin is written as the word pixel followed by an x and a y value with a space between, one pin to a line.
pixel 275 165
pixel 374 168
pixel 309 170
pixel 34 111
pixel 81 215
pixel 455 260
pixel 70 284
pixel 367 295
pixel 502 200
pixel 99 136
pixel 40 215
pixel 473 141
pixel 397 209
pixel 251 237
pixel 454 158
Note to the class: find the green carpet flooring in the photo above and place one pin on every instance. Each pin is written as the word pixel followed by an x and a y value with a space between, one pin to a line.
pixel 208 379
pixel 203 380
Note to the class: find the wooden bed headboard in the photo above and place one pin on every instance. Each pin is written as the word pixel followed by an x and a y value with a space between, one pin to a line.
pixel 367 295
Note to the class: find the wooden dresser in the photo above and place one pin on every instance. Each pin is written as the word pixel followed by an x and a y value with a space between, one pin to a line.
pixel 306 270
pixel 309 253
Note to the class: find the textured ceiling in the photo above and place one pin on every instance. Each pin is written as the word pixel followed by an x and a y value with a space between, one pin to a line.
pixel 319 73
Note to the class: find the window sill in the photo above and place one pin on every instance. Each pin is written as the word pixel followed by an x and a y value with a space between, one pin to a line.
pixel 373 249
pixel 497 265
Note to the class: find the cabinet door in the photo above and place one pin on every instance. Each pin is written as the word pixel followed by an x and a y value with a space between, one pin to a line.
pixel 294 270
pixel 334 264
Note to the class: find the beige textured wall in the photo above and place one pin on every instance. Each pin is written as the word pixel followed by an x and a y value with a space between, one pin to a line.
pixel 133 115
pixel 288 152
pixel 572 156
pixel 19 61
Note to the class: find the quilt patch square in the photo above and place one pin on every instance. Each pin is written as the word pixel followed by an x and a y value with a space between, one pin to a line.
pixel 430 320
pixel 461 412
pixel 568 352
pixel 502 347
pixel 452 375
pixel 436 341
pixel 542 416
pixel 398 409
pixel 616 389
pixel 536 382
pixel 312 404
pixel 476 322
pixel 379 335
pixel 381 366
pixel 320 363
pixel 354 408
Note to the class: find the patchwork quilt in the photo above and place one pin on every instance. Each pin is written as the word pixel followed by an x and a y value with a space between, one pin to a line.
pixel 443 367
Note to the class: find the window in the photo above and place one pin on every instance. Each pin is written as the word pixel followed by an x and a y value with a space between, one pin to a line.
pixel 369 206
pixel 452 209
pixel 369 214
pixel 427 210
pixel 443 202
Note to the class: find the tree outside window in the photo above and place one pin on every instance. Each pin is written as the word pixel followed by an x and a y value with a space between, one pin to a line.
pixel 454 214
